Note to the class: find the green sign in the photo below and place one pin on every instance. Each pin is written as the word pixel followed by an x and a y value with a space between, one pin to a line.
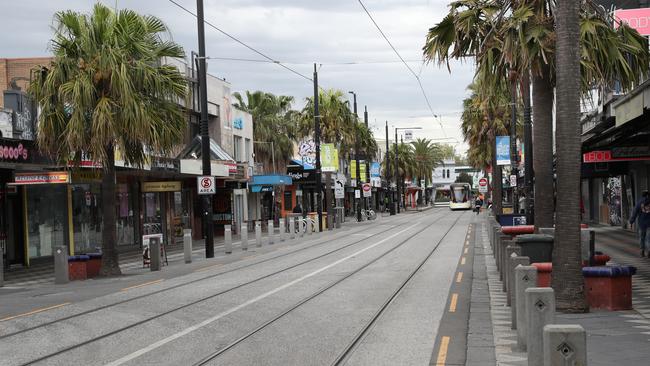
pixel 329 158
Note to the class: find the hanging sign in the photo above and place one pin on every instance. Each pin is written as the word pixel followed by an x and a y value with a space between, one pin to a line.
pixel 503 150
pixel 329 158
pixel 205 185
pixel 42 178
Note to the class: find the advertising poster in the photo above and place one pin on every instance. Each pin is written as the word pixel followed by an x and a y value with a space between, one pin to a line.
pixel 503 150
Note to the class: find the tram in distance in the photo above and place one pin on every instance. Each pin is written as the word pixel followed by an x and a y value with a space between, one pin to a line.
pixel 460 196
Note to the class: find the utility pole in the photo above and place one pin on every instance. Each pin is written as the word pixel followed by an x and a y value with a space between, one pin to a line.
pixel 367 159
pixel 356 157
pixel 208 224
pixel 319 184
pixel 528 149
pixel 391 207
pixel 513 144
pixel 396 199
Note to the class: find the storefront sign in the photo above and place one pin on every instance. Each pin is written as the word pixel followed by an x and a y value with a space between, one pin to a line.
pixel 171 186
pixel 329 158
pixel 638 19
pixel 86 176
pixel 42 178
pixel 165 165
pixel 266 189
pixel 206 185
pixel 630 153
pixel 13 151
pixel 503 150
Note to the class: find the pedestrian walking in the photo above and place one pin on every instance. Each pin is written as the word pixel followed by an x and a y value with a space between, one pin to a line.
pixel 641 215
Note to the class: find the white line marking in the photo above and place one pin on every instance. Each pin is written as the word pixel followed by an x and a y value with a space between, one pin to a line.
pixel 208 321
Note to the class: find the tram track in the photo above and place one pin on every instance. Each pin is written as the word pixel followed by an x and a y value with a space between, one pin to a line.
pixel 192 303
pixel 211 357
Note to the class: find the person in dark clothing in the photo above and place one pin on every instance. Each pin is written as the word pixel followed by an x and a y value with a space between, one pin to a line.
pixel 478 203
pixel 297 209
pixel 641 215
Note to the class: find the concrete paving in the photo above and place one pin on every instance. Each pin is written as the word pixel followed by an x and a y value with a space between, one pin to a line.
pixel 185 312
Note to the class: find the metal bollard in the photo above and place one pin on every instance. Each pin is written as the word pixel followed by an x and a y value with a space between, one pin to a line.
pixel 271 231
pixel 565 344
pixel 511 251
pixel 525 278
pixel 244 236
pixel 302 226
pixel 187 245
pixel 154 254
pixel 292 228
pixel 258 234
pixel 2 270
pixel 512 293
pixel 227 237
pixel 61 265
pixel 282 229
pixel 540 309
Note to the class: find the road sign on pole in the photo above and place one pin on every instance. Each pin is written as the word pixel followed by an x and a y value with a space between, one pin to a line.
pixel 339 190
pixel 483 185
pixel 367 189
pixel 205 185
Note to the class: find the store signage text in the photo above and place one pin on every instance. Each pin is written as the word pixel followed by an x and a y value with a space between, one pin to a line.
pixel 616 154
pixel 42 178
pixel 238 123
pixel 171 186
pixel 18 153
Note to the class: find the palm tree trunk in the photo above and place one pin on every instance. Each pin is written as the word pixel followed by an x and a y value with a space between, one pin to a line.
pixel 567 281
pixel 110 261
pixel 543 147
pixel 496 177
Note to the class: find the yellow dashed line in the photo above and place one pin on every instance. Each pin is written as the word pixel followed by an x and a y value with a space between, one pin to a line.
pixel 459 277
pixel 454 303
pixel 462 260
pixel 207 267
pixel 142 285
pixel 34 311
pixel 442 353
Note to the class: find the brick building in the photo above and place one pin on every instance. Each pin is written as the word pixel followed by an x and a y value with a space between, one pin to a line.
pixel 18 69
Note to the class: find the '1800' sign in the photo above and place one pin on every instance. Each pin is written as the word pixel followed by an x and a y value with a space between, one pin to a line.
pixel 13 153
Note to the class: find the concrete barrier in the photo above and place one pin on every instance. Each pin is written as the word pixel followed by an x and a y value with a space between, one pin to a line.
pixel 564 344
pixel 525 278
pixel 258 234
pixel 244 236
pixel 271 232
pixel 540 309
pixel 187 245
pixel 515 260
pixel 227 237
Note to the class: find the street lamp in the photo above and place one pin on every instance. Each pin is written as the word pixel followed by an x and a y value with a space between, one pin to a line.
pixel 356 155
pixel 397 167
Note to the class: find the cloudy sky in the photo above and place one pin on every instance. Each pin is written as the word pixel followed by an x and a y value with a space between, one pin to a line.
pixel 332 33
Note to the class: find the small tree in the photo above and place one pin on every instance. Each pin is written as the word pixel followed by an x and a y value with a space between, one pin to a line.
pixel 464 178
pixel 106 89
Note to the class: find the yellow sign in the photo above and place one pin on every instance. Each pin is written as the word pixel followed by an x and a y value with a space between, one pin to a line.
pixel 171 186
pixel 41 178
pixel 329 158
pixel 86 176
pixel 362 170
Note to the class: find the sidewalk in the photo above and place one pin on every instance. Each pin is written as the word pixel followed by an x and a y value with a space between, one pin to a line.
pixel 613 338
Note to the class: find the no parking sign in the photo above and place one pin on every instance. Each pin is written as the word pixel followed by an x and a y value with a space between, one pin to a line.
pixel 205 185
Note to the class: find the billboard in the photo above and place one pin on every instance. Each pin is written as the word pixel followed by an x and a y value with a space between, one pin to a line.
pixel 503 150
pixel 329 158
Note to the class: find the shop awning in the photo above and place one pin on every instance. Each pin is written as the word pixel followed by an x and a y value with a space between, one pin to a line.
pixel 193 151
pixel 265 183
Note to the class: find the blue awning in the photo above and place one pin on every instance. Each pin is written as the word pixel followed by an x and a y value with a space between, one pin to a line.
pixel 271 180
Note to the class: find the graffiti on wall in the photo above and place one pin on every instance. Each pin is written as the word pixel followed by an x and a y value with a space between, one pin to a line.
pixel 613 197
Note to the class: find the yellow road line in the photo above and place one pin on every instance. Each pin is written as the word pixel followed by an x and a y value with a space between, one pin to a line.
pixel 454 303
pixel 142 285
pixel 206 268
pixel 34 311
pixel 462 261
pixel 442 353
pixel 459 277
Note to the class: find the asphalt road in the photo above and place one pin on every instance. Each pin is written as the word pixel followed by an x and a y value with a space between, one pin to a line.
pixel 372 294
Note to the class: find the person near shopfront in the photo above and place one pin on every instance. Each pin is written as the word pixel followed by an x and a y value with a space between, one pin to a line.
pixel 641 215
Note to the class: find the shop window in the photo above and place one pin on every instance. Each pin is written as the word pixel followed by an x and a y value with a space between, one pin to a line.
pixel 86 217
pixel 182 213
pixel 152 217
pixel 46 218
pixel 125 219
pixel 288 201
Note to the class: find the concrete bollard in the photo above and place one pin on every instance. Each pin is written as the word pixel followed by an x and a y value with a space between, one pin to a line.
pixel 258 234
pixel 503 260
pixel 154 254
pixel 565 344
pixel 308 226
pixel 187 245
pixel 525 278
pixel 514 262
pixel 292 228
pixel 282 229
pixel 244 236
pixel 2 269
pixel 301 226
pixel 501 244
pixel 512 250
pixel 271 232
pixel 227 237
pixel 61 265
pixel 540 309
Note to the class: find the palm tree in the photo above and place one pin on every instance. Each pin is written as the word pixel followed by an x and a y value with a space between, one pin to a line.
pixel 106 89
pixel 567 273
pixel 426 156
pixel 274 121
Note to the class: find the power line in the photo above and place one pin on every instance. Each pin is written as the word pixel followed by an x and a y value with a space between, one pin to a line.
pixel 340 63
pixel 403 61
pixel 242 43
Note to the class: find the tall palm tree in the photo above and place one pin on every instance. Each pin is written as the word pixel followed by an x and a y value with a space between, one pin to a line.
pixel 426 156
pixel 274 121
pixel 567 273
pixel 106 89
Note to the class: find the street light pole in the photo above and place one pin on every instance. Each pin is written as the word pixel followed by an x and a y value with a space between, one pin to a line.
pixel 391 208
pixel 396 199
pixel 356 156
pixel 319 184
pixel 208 224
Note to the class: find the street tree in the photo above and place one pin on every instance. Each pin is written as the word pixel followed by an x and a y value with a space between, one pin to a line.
pixel 108 89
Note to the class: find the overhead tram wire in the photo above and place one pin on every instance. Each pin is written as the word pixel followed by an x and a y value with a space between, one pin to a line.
pixel 243 43
pixel 417 78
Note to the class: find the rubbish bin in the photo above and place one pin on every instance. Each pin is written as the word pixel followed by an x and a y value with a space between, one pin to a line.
pixel 538 247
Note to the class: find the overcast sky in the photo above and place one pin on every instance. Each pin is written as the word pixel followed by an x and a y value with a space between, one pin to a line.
pixel 298 32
